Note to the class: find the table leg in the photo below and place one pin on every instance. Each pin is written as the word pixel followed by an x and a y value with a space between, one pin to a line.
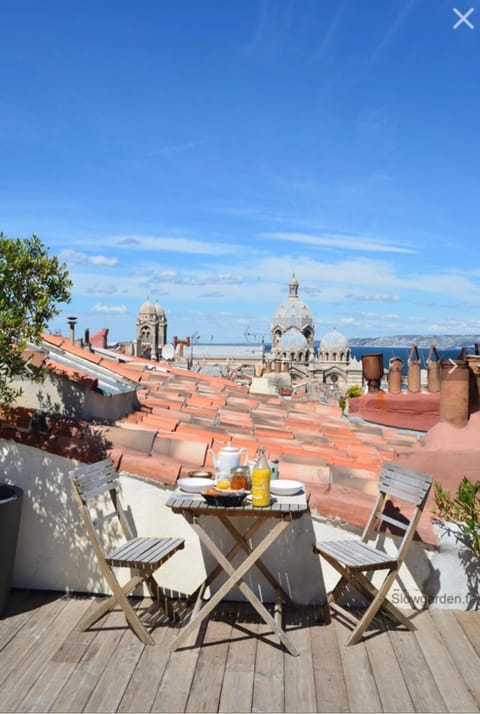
pixel 236 576
pixel 243 543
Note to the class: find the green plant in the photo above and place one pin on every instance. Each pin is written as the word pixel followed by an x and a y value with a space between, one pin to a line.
pixel 351 392
pixel 463 509
pixel 354 391
pixel 31 285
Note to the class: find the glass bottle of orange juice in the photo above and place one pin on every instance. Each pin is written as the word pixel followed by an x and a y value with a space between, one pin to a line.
pixel 261 480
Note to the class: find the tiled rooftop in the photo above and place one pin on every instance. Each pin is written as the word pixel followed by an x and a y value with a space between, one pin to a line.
pixel 183 414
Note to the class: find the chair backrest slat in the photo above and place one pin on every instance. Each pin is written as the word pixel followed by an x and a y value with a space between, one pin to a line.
pixel 95 479
pixel 392 521
pixel 96 488
pixel 404 483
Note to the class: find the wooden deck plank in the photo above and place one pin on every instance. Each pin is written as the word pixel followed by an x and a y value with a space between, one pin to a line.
pixel 420 682
pixel 207 686
pixel 59 668
pixel 328 673
pixel 460 649
pixel 103 640
pixel 268 683
pixel 33 628
pixel 391 687
pixel 48 640
pixel 470 623
pixel 114 679
pixel 359 679
pixel 237 690
pixel 147 676
pixel 448 679
pixel 172 694
pixel 300 695
pixel 244 667
pixel 17 613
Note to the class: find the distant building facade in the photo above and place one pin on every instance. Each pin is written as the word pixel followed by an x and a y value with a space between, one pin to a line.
pixel 292 336
pixel 151 331
pixel 292 347
pixel 293 331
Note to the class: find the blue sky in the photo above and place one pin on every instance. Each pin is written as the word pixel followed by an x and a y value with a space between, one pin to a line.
pixel 199 153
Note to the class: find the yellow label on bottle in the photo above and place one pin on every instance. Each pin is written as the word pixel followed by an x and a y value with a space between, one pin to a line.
pixel 261 487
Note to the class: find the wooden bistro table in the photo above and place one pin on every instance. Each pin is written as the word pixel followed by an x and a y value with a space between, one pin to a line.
pixel 281 512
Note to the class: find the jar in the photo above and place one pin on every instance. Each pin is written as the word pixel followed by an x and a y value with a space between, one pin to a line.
pixel 240 478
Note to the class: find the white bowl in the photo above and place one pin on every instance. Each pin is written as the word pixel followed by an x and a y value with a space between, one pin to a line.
pixel 284 487
pixel 194 484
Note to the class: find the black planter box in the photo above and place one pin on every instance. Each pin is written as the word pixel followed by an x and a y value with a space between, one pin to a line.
pixel 10 511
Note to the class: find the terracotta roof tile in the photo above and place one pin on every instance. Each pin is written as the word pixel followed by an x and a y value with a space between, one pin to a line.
pixel 182 413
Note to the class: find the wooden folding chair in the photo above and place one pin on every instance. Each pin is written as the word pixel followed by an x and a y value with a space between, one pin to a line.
pixel 91 484
pixel 353 558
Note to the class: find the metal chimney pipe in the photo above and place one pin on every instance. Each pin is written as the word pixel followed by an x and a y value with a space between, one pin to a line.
pixel 71 323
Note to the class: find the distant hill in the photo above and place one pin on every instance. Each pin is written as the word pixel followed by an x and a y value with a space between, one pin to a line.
pixel 443 342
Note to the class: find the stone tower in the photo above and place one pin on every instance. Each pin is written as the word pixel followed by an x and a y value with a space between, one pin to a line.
pixel 293 331
pixel 151 330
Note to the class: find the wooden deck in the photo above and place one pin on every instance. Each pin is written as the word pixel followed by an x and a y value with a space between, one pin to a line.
pixel 48 666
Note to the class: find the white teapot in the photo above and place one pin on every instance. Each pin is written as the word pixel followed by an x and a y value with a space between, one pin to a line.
pixel 228 458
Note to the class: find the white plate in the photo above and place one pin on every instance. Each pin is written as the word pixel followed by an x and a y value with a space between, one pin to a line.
pixel 284 487
pixel 194 484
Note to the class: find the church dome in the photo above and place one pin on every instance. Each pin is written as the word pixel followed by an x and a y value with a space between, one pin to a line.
pixel 292 339
pixel 147 308
pixel 159 310
pixel 333 340
pixel 293 312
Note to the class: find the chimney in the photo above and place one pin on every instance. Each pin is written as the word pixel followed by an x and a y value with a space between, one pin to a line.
pixel 71 323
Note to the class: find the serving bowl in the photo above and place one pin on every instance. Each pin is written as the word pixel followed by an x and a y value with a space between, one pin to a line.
pixel 201 473
pixel 217 497
pixel 285 487
pixel 193 484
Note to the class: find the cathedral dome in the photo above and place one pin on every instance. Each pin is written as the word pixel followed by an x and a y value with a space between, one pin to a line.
pixel 293 312
pixel 333 340
pixel 292 339
pixel 147 308
pixel 159 310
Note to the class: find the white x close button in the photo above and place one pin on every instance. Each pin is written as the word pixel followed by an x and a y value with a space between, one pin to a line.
pixel 463 18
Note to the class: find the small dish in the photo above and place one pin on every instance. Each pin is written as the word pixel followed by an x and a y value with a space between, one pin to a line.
pixel 193 484
pixel 200 474
pixel 216 497
pixel 285 487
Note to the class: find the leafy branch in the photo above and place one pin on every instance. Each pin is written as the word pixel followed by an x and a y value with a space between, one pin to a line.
pixel 463 509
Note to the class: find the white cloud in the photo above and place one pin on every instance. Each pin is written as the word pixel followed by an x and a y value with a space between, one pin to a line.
pixel 342 242
pixel 173 244
pixel 73 257
pixel 110 309
pixel 102 260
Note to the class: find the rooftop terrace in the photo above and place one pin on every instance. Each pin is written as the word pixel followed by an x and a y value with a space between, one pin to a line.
pixel 48 666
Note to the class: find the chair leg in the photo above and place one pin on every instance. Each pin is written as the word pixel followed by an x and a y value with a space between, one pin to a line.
pixel 372 609
pixel 159 596
pixel 119 596
pixel 361 583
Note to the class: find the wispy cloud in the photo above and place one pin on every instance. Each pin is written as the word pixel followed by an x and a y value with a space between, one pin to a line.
pixel 372 297
pixel 73 257
pixel 342 242
pixel 394 28
pixel 271 29
pixel 173 245
pixel 109 309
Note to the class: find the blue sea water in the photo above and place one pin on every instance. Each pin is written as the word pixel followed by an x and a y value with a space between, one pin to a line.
pixel 403 353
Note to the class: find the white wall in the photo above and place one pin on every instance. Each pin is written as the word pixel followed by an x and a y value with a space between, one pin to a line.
pixel 64 397
pixel 53 552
